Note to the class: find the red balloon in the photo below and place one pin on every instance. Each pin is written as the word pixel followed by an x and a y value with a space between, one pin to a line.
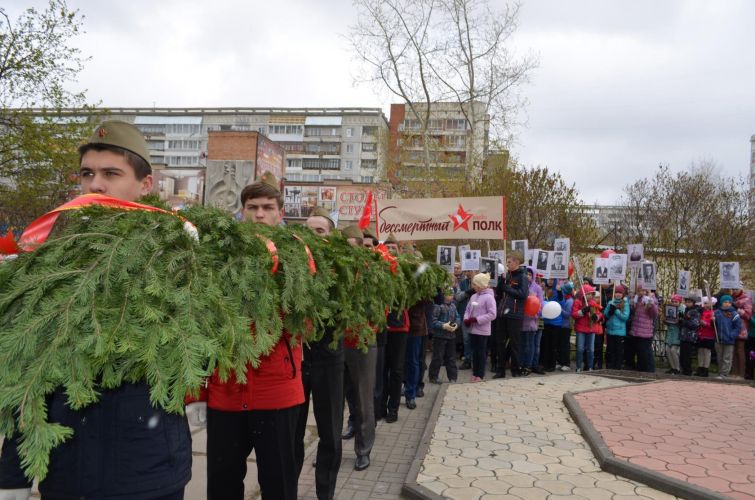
pixel 531 306
pixel 571 268
pixel 605 253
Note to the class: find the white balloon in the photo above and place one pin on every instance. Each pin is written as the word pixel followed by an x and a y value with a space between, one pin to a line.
pixel 552 310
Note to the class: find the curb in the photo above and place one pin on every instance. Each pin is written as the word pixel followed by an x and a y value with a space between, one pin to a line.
pixel 609 463
pixel 411 488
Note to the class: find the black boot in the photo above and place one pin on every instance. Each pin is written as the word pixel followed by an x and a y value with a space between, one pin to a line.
pixel 705 372
pixel 349 432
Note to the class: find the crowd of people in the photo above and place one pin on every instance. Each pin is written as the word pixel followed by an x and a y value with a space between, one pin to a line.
pixel 612 327
pixel 125 447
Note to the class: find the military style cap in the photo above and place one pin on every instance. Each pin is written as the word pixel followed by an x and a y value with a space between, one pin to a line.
pixel 353 231
pixel 321 212
pixel 269 179
pixel 368 234
pixel 122 135
pixel 391 239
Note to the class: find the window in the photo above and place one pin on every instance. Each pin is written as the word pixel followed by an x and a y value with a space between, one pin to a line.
pixel 321 164
pixel 151 129
pixel 369 179
pixel 182 129
pixel 456 141
pixel 294 163
pixel 286 129
pixel 371 130
pixel 369 147
pixel 183 144
pixel 349 132
pixel 292 147
pixel 180 161
pixel 435 124
pixel 347 164
pixel 456 124
pixel 321 131
pixel 327 148
pixel 156 145
pixel 369 163
pixel 349 148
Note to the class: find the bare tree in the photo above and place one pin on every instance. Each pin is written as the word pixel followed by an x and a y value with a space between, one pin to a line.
pixel 428 52
pixel 690 220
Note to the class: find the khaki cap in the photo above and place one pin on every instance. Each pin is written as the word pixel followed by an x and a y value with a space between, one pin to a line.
pixel 353 231
pixel 368 234
pixel 122 135
pixel 391 239
pixel 269 179
pixel 321 212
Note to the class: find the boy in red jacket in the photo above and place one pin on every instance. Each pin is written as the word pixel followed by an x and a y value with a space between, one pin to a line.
pixel 260 415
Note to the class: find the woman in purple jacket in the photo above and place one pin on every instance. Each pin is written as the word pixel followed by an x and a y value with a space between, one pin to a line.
pixel 481 310
pixel 644 313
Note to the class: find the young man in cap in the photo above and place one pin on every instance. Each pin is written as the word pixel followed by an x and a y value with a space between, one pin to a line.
pixel 260 415
pixel 360 384
pixel 322 377
pixel 122 446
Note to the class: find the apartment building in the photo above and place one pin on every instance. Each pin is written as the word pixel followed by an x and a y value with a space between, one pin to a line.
pixel 320 143
pixel 457 137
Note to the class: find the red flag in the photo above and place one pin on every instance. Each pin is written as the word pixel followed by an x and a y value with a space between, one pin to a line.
pixel 388 257
pixel 364 220
pixel 8 244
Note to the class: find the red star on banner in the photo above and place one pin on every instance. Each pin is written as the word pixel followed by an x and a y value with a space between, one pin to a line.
pixel 461 219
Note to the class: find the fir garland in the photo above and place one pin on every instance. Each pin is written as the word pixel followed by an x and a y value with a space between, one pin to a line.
pixel 125 296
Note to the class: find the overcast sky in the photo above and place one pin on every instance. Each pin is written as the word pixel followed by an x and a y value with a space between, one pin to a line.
pixel 621 86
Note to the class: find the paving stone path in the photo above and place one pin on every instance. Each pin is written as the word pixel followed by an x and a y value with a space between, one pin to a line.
pixel 514 438
pixel 697 432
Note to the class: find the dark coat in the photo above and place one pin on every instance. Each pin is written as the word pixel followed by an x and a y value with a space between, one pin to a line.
pixel 418 319
pixel 122 448
pixel 511 293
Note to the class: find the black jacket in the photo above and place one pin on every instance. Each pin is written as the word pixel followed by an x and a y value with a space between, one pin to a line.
pixel 511 293
pixel 122 448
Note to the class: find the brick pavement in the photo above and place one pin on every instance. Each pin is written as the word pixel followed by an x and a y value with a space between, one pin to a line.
pixel 395 447
pixel 514 438
pixel 698 432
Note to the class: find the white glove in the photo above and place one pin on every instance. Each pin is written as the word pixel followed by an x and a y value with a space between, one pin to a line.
pixel 20 494
pixel 196 413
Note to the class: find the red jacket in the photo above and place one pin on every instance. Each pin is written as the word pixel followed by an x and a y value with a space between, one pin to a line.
pixel 706 331
pixel 582 323
pixel 275 384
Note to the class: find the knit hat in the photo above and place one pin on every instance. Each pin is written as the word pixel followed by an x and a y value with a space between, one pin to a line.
pixel 620 289
pixel 587 289
pixel 677 297
pixel 448 291
pixel 567 288
pixel 712 300
pixel 726 298
pixel 695 299
pixel 481 280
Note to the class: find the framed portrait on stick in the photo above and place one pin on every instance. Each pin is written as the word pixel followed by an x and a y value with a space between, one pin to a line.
pixel 636 253
pixel 648 275
pixel 729 275
pixel 600 271
pixel 462 250
pixel 540 261
pixel 490 266
pixel 671 313
pixel 445 257
pixel 683 283
pixel 563 245
pixel 617 266
pixel 558 264
pixel 499 255
pixel 520 245
pixel 470 260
